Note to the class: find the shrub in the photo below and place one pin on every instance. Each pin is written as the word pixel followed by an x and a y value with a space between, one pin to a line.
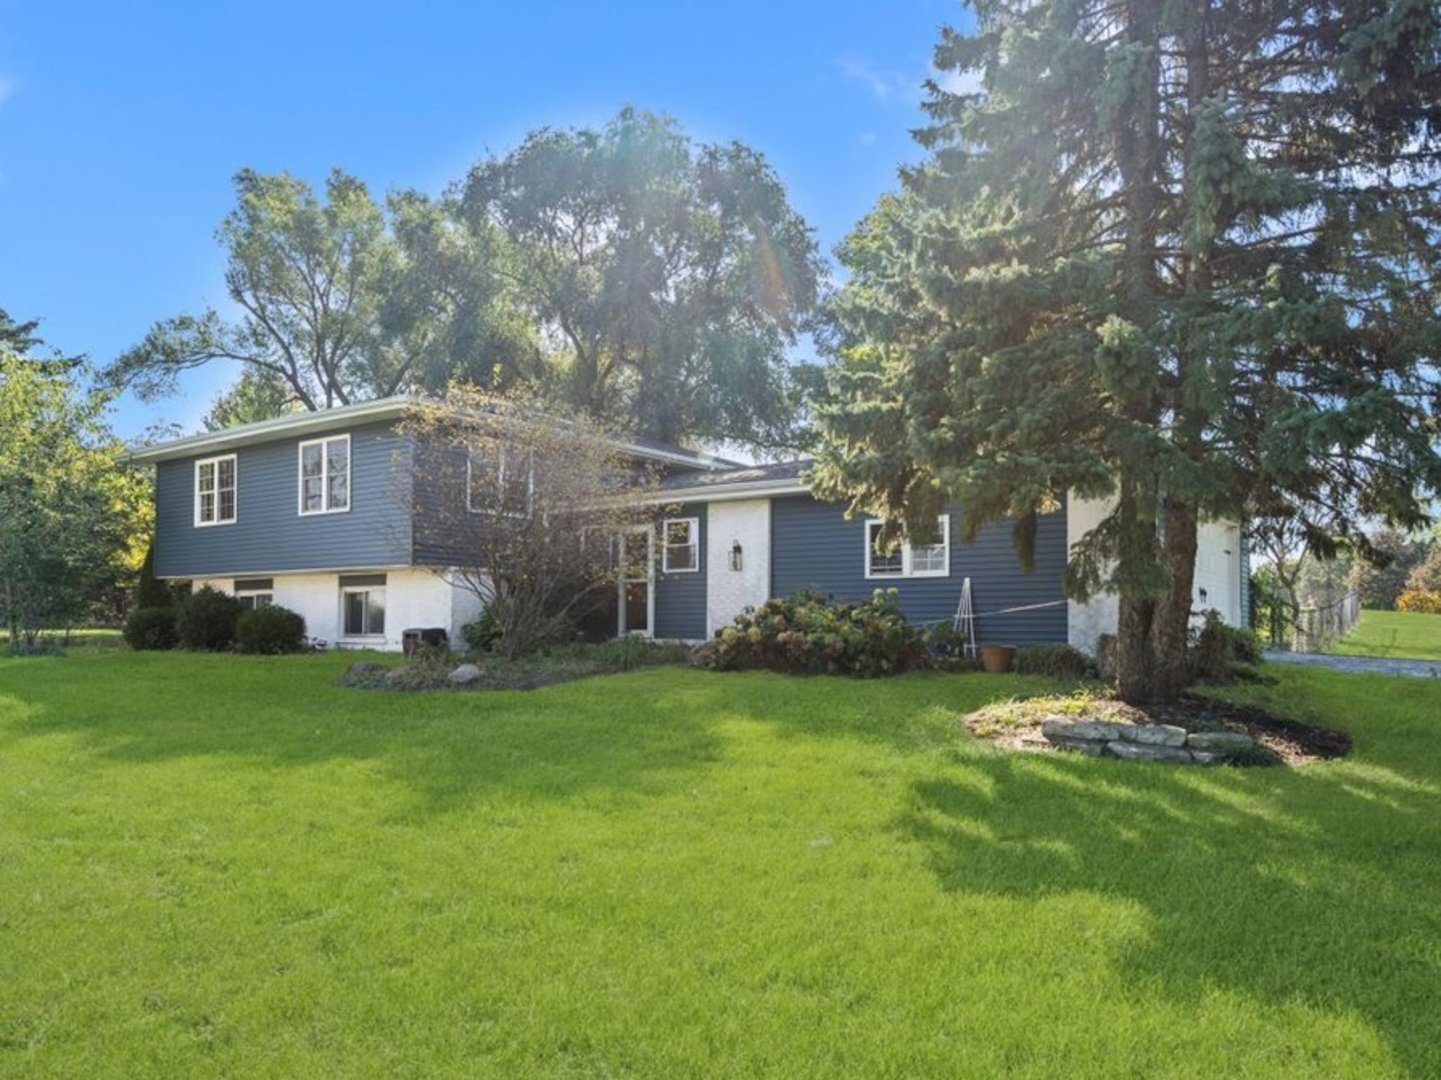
pixel 483 635
pixel 1217 649
pixel 806 634
pixel 206 620
pixel 270 630
pixel 151 628
pixel 1057 661
pixel 1423 601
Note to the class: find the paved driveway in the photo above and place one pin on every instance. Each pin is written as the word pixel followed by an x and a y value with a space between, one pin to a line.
pixel 1361 665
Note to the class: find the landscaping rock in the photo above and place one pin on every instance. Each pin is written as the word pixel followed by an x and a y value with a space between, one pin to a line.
pixel 1211 757
pixel 1093 747
pixel 1233 742
pixel 1155 734
pixel 364 668
pixel 466 675
pixel 1058 727
pixel 1134 751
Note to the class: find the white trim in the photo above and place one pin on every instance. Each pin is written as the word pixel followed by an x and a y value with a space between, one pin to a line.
pixel 750 490
pixel 907 570
pixel 319 420
pixel 348 590
pixel 500 485
pixel 363 569
pixel 235 490
pixel 296 424
pixel 622 581
pixel 323 442
pixel 693 523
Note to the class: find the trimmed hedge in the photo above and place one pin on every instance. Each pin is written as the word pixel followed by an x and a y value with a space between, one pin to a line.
pixel 1057 661
pixel 151 628
pixel 206 620
pixel 270 630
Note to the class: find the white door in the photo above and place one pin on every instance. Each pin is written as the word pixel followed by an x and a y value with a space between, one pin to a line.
pixel 637 582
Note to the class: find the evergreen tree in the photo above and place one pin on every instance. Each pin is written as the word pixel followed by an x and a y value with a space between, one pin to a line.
pixel 1180 255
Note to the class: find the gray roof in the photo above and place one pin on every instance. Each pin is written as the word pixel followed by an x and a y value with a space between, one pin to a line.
pixel 391 408
pixel 749 474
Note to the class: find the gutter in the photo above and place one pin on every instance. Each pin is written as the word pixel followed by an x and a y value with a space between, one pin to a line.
pixel 343 415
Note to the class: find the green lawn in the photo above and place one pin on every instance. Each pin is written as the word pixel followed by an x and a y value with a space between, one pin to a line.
pixel 1396 634
pixel 227 866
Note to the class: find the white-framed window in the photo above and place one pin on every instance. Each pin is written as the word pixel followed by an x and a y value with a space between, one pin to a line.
pixel 508 488
pixel 905 561
pixel 215 482
pixel 362 605
pixel 680 545
pixel 254 592
pixel 325 475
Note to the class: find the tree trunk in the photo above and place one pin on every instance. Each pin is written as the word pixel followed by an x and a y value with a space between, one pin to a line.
pixel 1171 628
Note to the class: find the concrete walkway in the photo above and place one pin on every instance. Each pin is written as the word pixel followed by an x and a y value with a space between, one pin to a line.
pixel 1361 665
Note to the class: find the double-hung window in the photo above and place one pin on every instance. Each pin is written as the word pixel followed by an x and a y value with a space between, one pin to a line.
pixel 325 475
pixel 680 550
pixel 254 592
pixel 502 483
pixel 362 605
pixel 907 561
pixel 215 490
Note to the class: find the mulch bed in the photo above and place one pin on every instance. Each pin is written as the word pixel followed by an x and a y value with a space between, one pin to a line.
pixel 1280 741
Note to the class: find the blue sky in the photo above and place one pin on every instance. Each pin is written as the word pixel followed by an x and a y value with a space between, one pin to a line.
pixel 121 124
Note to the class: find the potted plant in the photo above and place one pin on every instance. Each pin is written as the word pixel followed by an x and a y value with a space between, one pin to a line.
pixel 997 659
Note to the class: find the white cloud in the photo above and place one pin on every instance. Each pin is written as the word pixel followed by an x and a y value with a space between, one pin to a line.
pixel 882 84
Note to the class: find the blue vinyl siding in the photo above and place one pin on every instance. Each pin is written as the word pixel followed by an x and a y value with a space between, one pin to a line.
pixel 680 599
pixel 269 533
pixel 814 546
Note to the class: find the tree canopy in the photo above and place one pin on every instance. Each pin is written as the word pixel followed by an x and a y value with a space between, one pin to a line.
pixel 73 517
pixel 1183 256
pixel 668 279
pixel 651 283
pixel 339 299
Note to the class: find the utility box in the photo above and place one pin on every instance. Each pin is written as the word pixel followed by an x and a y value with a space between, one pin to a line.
pixel 428 637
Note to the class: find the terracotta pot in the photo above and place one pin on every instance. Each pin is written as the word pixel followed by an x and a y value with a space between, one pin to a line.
pixel 997 659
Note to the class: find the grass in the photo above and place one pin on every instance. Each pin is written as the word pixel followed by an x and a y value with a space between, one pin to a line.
pixel 229 866
pixel 1397 635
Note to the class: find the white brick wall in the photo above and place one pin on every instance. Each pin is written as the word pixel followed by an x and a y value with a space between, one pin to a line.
pixel 1218 572
pixel 413 598
pixel 728 591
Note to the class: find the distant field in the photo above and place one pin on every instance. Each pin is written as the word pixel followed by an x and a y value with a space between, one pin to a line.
pixel 1394 634
pixel 100 637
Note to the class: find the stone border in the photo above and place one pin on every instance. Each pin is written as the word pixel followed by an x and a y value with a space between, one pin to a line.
pixel 1145 742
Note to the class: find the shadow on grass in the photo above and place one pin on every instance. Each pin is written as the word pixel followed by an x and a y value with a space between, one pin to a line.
pixel 1316 886
pixel 449 747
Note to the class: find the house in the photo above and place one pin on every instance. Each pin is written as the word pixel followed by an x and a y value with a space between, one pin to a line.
pixel 304 511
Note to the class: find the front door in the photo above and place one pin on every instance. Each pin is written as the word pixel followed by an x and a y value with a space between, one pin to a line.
pixel 637 567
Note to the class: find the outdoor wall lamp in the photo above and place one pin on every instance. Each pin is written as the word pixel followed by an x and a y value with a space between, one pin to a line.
pixel 737 559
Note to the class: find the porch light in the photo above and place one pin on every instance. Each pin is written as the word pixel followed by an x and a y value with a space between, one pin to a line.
pixel 737 559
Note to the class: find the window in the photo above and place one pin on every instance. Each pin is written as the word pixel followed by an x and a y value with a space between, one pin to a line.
pixel 254 592
pixel 215 491
pixel 926 560
pixel 680 553
pixel 325 475
pixel 509 488
pixel 362 605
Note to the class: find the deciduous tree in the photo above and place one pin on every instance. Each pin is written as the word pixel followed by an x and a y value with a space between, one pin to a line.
pixel 668 279
pixel 521 507
pixel 73 516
